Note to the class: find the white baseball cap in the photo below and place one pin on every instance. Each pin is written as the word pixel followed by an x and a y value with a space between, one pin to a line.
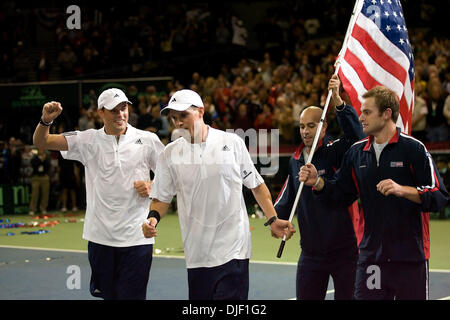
pixel 182 100
pixel 111 98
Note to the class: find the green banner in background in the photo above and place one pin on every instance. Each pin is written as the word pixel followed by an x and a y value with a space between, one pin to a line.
pixel 14 199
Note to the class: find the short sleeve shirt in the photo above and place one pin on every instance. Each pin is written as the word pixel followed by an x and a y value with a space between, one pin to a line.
pixel 207 179
pixel 115 211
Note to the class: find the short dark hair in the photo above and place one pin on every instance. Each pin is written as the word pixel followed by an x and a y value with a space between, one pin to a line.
pixel 384 98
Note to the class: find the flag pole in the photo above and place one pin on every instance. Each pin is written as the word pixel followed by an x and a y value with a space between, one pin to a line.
pixel 322 118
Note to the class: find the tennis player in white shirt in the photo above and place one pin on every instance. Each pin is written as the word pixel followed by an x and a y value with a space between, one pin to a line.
pixel 206 169
pixel 117 160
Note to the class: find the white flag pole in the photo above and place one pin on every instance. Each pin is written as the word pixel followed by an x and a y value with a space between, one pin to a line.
pixel 356 8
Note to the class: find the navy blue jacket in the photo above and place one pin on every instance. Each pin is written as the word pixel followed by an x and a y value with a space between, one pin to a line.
pixel 326 231
pixel 393 228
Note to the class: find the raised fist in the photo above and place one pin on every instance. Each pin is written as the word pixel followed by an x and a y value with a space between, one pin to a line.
pixel 51 111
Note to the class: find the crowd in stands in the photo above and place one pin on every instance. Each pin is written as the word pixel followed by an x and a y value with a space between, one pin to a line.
pixel 263 89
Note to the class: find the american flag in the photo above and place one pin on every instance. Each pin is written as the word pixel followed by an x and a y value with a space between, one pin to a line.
pixel 378 52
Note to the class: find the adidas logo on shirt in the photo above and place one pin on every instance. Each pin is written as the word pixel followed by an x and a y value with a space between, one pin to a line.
pixel 225 148
pixel 116 95
pixel 138 141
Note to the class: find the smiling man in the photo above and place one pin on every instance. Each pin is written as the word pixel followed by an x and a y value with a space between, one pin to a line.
pixel 327 232
pixel 206 169
pixel 398 183
pixel 117 159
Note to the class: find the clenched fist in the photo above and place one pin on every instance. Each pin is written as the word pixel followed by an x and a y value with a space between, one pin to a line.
pixel 51 111
pixel 143 187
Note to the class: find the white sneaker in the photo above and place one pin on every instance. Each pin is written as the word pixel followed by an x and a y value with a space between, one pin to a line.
pixel 31 213
pixel 75 209
pixel 63 209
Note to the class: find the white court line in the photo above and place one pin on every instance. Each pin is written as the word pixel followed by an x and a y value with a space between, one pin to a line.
pixel 445 298
pixel 178 257
pixel 44 249
pixel 328 292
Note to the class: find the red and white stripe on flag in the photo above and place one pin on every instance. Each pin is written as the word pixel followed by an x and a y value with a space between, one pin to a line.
pixel 378 52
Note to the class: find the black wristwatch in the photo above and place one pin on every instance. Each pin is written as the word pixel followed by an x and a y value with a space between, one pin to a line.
pixel 154 214
pixel 270 221
pixel 46 124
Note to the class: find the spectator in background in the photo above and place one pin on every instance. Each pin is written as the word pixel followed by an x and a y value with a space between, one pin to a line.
pixel 241 118
pixel 222 35
pixel 240 36
pixel 437 127
pixel 67 60
pixel 86 119
pixel 6 67
pixel 144 117
pixel 21 64
pixel 40 182
pixel 5 159
pixel 132 116
pixel 285 121
pixel 447 114
pixel 419 115
pixel 136 56
pixel 16 148
pixel 42 67
pixel 264 119
pixel 69 178
pixel 155 124
pixel 26 170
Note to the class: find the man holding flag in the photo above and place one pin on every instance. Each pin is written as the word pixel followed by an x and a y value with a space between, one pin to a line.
pixel 391 173
pixel 398 183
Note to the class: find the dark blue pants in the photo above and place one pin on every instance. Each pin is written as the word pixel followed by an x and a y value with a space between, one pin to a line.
pixel 119 272
pixel 313 276
pixel 229 281
pixel 396 280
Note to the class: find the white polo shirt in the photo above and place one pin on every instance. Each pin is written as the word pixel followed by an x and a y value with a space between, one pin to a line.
pixel 115 211
pixel 207 179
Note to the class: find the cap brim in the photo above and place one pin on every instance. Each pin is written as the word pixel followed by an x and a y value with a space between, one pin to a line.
pixel 176 107
pixel 117 104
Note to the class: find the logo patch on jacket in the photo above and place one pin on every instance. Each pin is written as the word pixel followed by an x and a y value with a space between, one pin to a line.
pixel 246 174
pixel 397 164
pixel 321 172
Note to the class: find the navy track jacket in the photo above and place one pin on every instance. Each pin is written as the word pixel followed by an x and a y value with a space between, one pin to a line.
pixel 392 228
pixel 326 231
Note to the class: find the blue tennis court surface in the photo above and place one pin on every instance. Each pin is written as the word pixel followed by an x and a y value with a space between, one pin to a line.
pixel 30 274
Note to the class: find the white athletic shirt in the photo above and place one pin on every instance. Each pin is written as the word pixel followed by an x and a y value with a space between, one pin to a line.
pixel 115 211
pixel 207 179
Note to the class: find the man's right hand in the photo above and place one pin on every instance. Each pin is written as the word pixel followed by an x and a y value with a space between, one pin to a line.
pixel 308 174
pixel 333 85
pixel 51 111
pixel 149 228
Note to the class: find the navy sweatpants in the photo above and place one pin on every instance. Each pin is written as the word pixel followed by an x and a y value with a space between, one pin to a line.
pixel 119 273
pixel 392 280
pixel 313 276
pixel 229 281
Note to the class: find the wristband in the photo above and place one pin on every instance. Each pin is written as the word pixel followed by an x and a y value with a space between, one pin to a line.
pixel 46 124
pixel 341 107
pixel 270 221
pixel 317 182
pixel 154 214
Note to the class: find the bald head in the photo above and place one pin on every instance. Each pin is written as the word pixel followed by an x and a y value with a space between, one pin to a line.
pixel 312 113
pixel 309 122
